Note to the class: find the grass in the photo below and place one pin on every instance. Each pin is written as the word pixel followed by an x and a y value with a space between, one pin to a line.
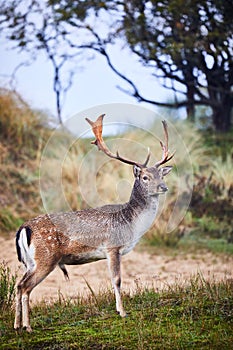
pixel 195 315
pixel 192 242
pixel 7 287
pixel 20 126
pixel 196 242
pixel 23 133
pixel 83 177
pixel 8 222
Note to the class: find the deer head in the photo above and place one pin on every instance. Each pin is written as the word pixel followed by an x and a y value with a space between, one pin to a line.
pixel 149 179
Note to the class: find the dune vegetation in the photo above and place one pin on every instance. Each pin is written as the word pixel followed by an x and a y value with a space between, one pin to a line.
pixel 203 174
pixel 197 314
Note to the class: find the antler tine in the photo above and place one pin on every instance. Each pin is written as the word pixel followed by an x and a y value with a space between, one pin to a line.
pixel 164 146
pixel 147 158
pixel 97 128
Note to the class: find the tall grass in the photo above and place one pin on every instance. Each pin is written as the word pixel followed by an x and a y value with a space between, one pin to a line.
pixel 196 314
pixel 83 168
pixel 85 177
pixel 96 180
pixel 22 135
pixel 223 175
pixel 20 126
pixel 7 287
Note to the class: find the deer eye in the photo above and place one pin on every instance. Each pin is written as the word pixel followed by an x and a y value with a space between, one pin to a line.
pixel 145 178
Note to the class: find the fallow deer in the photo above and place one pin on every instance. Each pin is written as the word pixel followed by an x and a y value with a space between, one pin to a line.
pixel 80 237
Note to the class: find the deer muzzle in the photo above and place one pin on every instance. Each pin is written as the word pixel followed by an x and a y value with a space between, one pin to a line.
pixel 162 188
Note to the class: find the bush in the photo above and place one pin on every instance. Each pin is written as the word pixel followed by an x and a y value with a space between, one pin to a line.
pixel 7 287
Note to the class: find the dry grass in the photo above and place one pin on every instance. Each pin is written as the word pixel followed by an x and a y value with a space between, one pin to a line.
pixel 74 175
pixel 223 174
pixel 20 126
pixel 22 136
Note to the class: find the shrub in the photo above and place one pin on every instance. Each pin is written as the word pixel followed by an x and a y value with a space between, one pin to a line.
pixel 7 287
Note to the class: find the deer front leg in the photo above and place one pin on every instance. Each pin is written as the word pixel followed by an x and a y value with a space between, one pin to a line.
pixel 114 264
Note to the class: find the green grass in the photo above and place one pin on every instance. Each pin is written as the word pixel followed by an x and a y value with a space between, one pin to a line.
pixel 8 222
pixel 196 315
pixel 7 287
pixel 195 242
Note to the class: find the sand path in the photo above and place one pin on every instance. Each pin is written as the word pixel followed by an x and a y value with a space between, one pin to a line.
pixel 138 269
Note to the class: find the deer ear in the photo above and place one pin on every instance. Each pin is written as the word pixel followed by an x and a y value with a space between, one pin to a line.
pixel 165 170
pixel 137 171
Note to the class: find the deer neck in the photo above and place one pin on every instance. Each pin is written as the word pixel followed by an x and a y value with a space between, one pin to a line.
pixel 143 209
pixel 141 201
pixel 139 214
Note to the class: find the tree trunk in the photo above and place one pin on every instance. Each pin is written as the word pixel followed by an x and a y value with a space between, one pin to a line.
pixel 222 115
pixel 190 106
pixel 191 112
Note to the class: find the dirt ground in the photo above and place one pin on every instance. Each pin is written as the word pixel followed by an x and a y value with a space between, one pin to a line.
pixel 138 269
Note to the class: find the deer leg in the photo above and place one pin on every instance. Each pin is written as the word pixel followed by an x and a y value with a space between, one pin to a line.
pixel 18 311
pixel 20 301
pixel 30 280
pixel 26 312
pixel 114 264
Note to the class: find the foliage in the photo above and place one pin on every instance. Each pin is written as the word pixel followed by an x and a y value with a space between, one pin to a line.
pixel 20 126
pixel 7 287
pixel 210 211
pixel 196 315
pixel 209 214
pixel 23 133
pixel 190 44
pixel 188 47
pixel 212 204
pixel 8 222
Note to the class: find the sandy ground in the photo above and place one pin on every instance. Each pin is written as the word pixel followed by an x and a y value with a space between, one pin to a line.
pixel 138 269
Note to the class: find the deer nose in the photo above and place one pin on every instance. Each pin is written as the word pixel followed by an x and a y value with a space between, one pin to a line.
pixel 162 188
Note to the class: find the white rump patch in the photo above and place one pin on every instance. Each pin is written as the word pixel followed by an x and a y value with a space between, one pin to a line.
pixel 27 252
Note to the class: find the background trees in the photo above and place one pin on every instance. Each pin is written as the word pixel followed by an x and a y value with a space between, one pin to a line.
pixel 187 45
pixel 189 42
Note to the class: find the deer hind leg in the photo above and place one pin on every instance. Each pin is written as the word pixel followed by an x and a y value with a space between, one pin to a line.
pixel 114 264
pixel 18 311
pixel 22 304
pixel 29 281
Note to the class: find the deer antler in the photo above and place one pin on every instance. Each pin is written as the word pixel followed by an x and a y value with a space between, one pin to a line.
pixel 164 146
pixel 97 128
